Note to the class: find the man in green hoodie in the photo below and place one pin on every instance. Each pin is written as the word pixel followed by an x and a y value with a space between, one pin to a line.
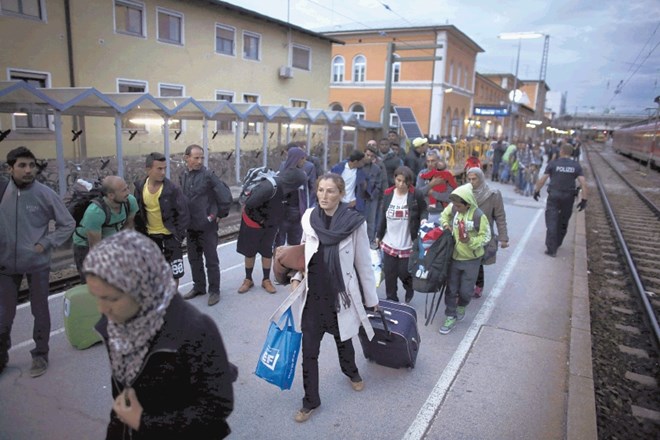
pixel 471 231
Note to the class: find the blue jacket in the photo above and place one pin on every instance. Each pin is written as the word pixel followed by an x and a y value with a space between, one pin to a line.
pixel 360 184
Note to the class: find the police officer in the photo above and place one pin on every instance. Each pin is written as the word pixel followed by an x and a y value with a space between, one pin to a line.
pixel 561 193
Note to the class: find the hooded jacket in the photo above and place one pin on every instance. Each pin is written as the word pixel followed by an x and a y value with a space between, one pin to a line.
pixel 478 239
pixel 24 217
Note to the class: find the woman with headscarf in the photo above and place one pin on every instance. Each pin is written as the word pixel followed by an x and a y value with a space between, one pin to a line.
pixel 262 214
pixel 337 268
pixel 296 202
pixel 490 202
pixel 170 375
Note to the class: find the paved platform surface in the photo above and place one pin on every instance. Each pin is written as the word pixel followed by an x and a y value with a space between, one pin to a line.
pixel 517 367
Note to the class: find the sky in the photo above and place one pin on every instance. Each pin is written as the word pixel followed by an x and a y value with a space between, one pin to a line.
pixel 604 54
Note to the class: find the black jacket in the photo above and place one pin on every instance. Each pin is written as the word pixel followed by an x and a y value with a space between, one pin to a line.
pixel 173 209
pixel 206 195
pixel 416 211
pixel 185 385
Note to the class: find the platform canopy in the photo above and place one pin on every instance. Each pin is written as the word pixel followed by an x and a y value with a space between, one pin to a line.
pixel 21 97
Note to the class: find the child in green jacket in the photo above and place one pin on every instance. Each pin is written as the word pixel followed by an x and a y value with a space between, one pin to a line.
pixel 471 231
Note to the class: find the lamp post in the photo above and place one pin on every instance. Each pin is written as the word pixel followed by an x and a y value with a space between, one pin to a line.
pixel 513 96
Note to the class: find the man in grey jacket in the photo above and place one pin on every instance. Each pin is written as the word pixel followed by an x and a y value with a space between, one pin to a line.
pixel 26 208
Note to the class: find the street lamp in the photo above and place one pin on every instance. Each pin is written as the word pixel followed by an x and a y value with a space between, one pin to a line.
pixel 513 96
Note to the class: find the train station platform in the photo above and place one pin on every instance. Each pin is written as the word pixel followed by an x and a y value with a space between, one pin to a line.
pixel 517 367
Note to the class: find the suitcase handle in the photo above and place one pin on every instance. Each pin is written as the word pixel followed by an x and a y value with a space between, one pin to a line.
pixel 382 317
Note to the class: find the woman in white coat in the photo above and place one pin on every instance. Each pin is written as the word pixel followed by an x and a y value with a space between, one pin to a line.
pixel 338 263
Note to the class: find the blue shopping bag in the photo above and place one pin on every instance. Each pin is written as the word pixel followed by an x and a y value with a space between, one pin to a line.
pixel 278 358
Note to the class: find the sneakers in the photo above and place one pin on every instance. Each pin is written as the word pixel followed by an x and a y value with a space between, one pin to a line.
pixel 357 386
pixel 477 291
pixel 214 298
pixel 247 285
pixel 460 313
pixel 450 323
pixel 193 293
pixel 268 286
pixel 303 414
pixel 39 366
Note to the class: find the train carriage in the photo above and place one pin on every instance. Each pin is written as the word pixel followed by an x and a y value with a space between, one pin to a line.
pixel 639 140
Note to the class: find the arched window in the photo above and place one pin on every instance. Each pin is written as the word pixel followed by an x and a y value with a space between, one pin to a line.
pixel 359 68
pixel 466 77
pixel 459 75
pixel 396 70
pixel 336 107
pixel 450 80
pixel 338 68
pixel 358 109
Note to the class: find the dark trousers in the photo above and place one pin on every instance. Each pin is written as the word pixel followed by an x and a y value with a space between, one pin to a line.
pixel 290 230
pixel 460 284
pixel 558 211
pixel 496 170
pixel 38 284
pixel 79 254
pixel 204 243
pixel 396 269
pixel 313 331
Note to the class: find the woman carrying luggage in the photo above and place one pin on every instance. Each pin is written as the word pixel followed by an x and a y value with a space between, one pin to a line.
pixel 403 209
pixel 338 263
pixel 170 375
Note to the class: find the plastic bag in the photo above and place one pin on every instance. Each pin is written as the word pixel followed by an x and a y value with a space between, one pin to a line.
pixel 279 355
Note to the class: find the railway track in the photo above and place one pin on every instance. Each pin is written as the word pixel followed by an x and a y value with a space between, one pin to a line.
pixel 623 237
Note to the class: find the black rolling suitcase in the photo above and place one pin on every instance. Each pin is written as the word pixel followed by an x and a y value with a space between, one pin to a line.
pixel 396 340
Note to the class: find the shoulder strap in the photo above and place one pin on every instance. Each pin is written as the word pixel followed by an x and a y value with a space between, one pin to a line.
pixel 476 219
pixel 106 209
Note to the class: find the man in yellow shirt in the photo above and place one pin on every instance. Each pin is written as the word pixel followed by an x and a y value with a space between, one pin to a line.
pixel 163 212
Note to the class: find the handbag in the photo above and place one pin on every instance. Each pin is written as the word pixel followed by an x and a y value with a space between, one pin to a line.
pixel 287 261
pixel 279 355
pixel 490 250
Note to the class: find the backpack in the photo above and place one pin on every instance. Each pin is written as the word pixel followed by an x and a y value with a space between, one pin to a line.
pixel 253 178
pixel 83 194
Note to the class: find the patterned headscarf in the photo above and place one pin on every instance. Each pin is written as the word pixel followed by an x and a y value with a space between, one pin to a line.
pixel 132 263
pixel 483 191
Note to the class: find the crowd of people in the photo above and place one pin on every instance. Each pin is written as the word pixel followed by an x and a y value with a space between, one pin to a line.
pixel 128 248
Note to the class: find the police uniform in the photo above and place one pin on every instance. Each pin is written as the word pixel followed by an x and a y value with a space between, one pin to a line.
pixel 561 194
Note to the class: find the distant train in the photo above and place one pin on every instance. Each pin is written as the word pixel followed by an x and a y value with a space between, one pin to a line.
pixel 639 140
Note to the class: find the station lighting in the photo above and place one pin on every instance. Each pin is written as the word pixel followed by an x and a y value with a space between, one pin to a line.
pixel 516 36
pixel 536 122
pixel 519 35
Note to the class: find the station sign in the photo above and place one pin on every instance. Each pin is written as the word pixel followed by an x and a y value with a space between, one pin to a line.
pixel 491 111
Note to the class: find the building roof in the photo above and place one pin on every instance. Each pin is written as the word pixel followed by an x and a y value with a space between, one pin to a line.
pixel 249 13
pixel 399 29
